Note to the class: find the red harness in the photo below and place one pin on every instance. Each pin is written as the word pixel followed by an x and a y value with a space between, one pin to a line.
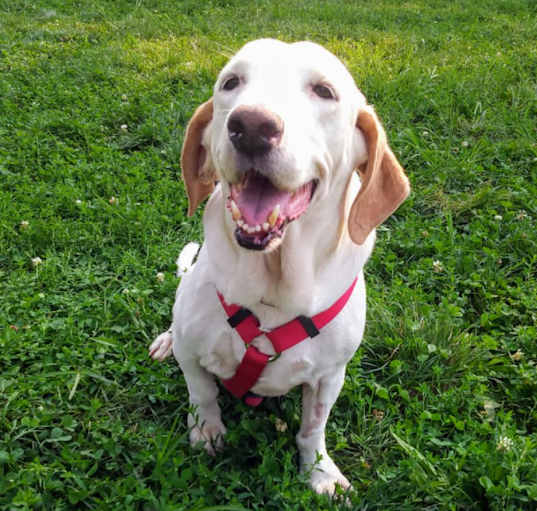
pixel 282 338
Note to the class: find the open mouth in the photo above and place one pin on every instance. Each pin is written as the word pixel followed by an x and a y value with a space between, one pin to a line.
pixel 261 211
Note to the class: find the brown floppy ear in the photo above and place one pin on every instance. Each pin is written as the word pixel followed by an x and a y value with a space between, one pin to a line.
pixel 384 183
pixel 198 174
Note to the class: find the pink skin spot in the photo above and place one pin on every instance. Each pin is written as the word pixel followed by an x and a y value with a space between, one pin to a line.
pixel 318 412
pixel 300 365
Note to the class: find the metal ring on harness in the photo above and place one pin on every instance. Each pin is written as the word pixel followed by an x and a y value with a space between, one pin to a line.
pixel 273 358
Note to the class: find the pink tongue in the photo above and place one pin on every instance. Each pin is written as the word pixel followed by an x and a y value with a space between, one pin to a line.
pixel 258 198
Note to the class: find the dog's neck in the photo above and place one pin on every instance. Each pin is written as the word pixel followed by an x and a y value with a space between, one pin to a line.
pixel 304 275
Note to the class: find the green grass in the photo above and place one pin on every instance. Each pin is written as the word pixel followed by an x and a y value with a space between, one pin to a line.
pixel 439 408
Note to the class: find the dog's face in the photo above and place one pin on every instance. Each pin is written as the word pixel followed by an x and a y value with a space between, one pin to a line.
pixel 281 132
pixel 281 121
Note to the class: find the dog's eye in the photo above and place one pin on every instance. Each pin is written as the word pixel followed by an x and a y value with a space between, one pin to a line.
pixel 231 83
pixel 324 91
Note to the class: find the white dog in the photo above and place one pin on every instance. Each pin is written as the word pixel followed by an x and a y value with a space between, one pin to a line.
pixel 288 228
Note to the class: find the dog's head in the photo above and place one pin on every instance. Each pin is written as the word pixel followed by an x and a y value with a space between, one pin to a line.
pixel 285 127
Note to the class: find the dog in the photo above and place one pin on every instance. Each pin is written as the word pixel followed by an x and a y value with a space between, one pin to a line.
pixel 299 175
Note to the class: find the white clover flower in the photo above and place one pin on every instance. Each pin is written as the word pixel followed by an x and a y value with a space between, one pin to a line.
pixel 160 276
pixel 36 261
pixel 124 97
pixel 113 200
pixel 280 425
pixel 24 225
pixel 517 355
pixel 504 444
pixel 438 266
pixel 498 218
pixel 124 127
pixel 125 291
pixel 465 143
pixel 78 202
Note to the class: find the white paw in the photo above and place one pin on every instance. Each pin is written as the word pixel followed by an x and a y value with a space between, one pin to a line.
pixel 324 482
pixel 161 347
pixel 325 476
pixel 210 435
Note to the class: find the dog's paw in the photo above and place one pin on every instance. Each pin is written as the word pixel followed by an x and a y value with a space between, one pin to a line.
pixel 161 347
pixel 326 483
pixel 325 477
pixel 209 435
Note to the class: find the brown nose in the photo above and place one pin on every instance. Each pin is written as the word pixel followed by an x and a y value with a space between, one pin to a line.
pixel 254 130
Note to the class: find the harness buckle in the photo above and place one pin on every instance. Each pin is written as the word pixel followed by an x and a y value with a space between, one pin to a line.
pixel 239 316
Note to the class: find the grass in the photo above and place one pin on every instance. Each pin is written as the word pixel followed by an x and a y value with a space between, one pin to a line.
pixel 439 408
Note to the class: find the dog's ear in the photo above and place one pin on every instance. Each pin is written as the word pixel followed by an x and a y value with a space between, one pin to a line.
pixel 198 173
pixel 384 183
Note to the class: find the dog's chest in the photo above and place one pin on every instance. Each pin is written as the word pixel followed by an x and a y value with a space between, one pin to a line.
pixel 293 367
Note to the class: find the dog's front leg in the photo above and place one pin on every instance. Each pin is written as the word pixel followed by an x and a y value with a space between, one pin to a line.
pixel 317 402
pixel 204 421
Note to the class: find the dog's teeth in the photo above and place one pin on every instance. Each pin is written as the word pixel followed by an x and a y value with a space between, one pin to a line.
pixel 235 211
pixel 266 226
pixel 257 228
pixel 273 217
pixel 251 229
pixel 240 222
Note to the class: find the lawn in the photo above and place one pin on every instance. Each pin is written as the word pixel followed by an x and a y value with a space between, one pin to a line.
pixel 439 407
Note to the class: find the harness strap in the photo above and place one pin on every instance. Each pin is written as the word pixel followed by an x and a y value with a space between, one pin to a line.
pixel 247 327
pixel 289 334
pixel 282 338
pixel 252 399
pixel 248 372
